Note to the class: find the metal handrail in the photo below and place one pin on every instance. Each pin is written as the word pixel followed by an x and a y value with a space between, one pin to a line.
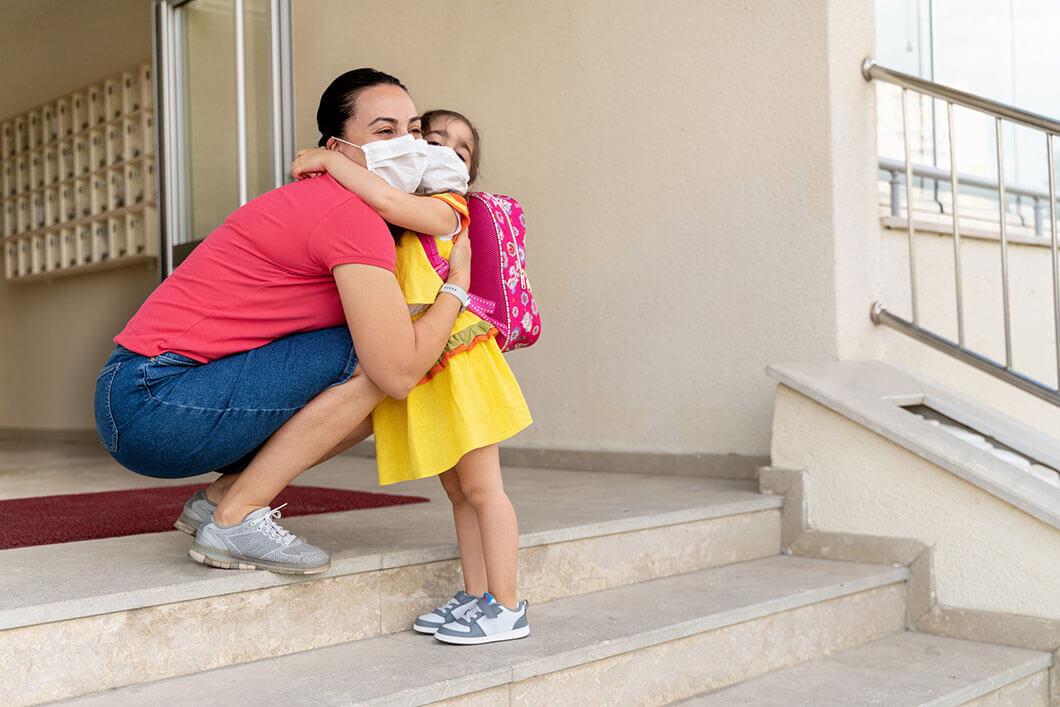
pixel 1039 196
pixel 870 70
pixel 880 315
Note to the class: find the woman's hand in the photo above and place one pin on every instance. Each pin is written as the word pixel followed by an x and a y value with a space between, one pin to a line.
pixel 460 261
pixel 311 162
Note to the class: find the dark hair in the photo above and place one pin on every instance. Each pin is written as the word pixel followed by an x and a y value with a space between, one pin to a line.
pixel 476 149
pixel 338 103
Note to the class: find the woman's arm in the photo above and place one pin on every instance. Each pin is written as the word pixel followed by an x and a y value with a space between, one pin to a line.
pixel 394 351
pixel 423 215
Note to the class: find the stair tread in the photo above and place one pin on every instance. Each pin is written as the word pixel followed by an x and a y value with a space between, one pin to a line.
pixel 57 582
pixel 566 632
pixel 906 669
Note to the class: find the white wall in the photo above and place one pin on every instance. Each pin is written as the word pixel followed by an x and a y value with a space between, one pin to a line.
pixel 696 176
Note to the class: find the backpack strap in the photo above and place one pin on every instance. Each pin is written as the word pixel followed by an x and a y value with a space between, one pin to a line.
pixel 481 307
pixel 440 265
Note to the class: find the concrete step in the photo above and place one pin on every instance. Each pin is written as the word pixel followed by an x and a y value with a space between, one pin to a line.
pixel 83 617
pixel 906 669
pixel 655 642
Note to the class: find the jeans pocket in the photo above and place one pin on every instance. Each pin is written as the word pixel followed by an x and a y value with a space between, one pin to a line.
pixel 105 425
pixel 167 358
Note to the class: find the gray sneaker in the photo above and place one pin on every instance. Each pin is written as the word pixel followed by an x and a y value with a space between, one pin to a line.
pixel 197 510
pixel 452 610
pixel 486 622
pixel 257 543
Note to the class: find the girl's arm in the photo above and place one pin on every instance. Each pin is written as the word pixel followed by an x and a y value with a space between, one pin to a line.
pixel 432 217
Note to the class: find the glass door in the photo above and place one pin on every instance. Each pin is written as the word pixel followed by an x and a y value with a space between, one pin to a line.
pixel 225 119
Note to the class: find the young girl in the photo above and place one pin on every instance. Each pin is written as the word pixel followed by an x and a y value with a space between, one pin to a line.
pixel 450 424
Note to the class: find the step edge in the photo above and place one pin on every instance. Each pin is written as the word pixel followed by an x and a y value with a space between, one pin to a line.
pixel 684 629
pixel 1031 662
pixel 652 521
pixel 114 602
pixel 455 687
pixel 1008 676
pixel 86 607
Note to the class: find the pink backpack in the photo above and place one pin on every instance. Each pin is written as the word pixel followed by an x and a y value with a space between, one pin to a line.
pixel 500 291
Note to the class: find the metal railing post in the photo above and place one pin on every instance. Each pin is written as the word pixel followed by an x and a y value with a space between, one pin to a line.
pixel 909 208
pixel 1056 265
pixel 1004 244
pixel 956 227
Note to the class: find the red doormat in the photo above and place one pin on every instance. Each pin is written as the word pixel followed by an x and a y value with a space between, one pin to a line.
pixel 46 520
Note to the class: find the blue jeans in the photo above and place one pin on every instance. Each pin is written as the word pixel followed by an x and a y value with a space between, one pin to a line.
pixel 168 416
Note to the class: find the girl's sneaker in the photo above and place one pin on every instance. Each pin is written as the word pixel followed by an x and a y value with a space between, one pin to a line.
pixel 487 621
pixel 452 610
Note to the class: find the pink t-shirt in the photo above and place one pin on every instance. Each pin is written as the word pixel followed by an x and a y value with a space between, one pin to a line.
pixel 264 274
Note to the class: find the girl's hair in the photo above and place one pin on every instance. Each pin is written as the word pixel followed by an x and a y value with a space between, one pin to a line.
pixel 425 125
pixel 339 100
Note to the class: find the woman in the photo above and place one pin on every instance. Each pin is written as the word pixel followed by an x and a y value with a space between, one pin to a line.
pixel 255 355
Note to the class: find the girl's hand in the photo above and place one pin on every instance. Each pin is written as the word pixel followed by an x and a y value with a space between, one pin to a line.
pixel 460 261
pixel 311 162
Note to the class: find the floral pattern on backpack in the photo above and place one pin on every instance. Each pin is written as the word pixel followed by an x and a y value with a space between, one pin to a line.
pixel 500 289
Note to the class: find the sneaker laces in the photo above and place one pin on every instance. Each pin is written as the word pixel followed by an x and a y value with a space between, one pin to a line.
pixel 447 607
pixel 272 531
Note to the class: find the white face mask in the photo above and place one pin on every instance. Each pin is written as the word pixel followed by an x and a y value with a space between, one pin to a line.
pixel 445 172
pixel 399 161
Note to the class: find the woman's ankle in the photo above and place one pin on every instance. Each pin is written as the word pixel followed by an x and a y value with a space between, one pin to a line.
pixel 216 491
pixel 213 494
pixel 227 516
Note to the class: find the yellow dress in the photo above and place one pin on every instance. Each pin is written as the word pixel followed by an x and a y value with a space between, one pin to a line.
pixel 469 399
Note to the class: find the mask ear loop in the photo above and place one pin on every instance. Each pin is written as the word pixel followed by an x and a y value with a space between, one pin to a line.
pixel 347 142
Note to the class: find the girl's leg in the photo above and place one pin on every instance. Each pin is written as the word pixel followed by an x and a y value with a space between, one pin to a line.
pixel 479 472
pixel 313 434
pixel 468 537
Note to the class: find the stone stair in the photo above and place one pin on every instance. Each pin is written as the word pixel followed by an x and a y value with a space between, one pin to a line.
pixel 644 589
pixel 89 616
pixel 904 669
pixel 648 642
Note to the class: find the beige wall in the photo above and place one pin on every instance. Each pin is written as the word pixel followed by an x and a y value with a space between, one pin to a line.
pixel 55 336
pixel 698 179
pixel 1030 294
pixel 989 555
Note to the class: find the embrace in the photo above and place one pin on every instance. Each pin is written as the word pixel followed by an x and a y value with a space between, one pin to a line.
pixel 305 323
